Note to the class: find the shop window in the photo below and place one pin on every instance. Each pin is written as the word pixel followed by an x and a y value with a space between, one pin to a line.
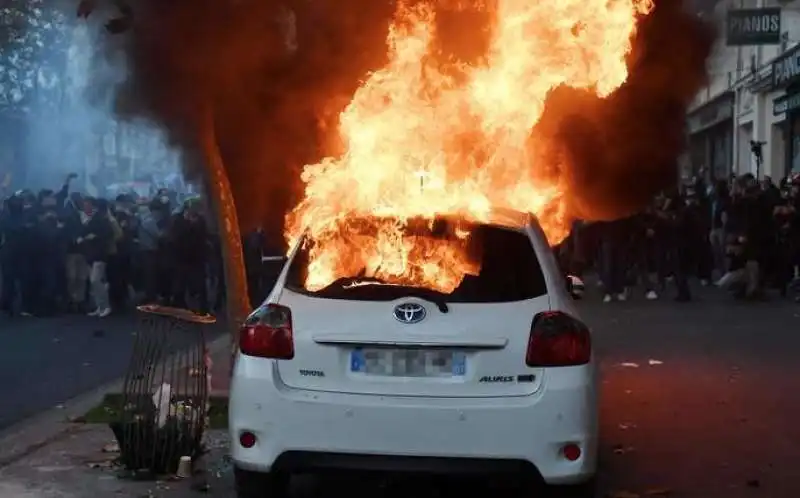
pixel 721 155
pixel 796 146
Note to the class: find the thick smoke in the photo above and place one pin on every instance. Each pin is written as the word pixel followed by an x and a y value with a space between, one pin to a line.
pixel 272 92
pixel 272 106
pixel 616 153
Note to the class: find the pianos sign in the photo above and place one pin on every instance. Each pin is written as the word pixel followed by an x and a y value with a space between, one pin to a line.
pixel 754 26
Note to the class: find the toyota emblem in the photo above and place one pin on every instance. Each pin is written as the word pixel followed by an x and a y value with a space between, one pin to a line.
pixel 409 313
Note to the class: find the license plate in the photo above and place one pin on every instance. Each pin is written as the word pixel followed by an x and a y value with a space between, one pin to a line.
pixel 408 362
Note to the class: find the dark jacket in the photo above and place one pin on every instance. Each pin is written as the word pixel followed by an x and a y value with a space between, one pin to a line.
pixel 189 241
pixel 129 223
pixel 17 234
pixel 98 235
pixel 73 228
pixel 50 235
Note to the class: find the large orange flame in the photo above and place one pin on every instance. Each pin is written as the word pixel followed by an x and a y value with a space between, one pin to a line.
pixel 423 139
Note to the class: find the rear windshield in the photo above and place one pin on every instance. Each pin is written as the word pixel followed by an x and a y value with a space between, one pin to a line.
pixel 509 271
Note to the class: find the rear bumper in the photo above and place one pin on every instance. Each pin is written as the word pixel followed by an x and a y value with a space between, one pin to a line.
pixel 307 430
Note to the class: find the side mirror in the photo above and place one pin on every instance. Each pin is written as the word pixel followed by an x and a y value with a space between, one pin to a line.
pixel 575 287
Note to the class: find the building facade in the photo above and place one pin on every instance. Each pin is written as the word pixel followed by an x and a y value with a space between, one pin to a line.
pixel 753 96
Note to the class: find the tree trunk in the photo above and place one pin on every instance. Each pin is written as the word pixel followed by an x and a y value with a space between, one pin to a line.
pixel 222 203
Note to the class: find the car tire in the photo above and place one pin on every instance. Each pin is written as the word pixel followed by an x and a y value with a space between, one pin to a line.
pixel 260 484
pixel 586 489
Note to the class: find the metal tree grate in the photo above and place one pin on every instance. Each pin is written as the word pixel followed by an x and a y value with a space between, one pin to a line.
pixel 165 395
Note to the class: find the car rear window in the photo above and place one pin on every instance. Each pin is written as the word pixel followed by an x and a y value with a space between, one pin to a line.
pixel 510 271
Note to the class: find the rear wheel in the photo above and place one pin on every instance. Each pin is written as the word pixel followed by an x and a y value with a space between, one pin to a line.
pixel 260 484
pixel 587 489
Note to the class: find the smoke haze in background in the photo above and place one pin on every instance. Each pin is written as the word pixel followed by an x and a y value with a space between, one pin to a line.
pixel 274 98
pixel 68 138
pixel 58 98
pixel 185 56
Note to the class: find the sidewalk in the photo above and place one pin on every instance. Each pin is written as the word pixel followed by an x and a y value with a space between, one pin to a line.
pixel 54 457
pixel 76 466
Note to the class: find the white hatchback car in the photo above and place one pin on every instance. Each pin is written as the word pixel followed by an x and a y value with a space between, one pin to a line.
pixel 498 376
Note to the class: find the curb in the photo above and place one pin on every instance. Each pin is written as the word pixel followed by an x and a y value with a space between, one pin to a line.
pixel 34 433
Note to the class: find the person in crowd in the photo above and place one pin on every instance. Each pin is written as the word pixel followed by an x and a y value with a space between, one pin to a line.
pixel 646 234
pixel 76 266
pixel 150 238
pixel 98 244
pixel 615 236
pixel 681 240
pixel 50 247
pixel 785 221
pixel 697 229
pixel 753 207
pixel 16 233
pixel 720 206
pixel 120 264
pixel 188 241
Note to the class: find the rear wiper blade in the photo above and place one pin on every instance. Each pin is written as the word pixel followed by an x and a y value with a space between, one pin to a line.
pixel 435 297
pixel 345 283
pixel 352 283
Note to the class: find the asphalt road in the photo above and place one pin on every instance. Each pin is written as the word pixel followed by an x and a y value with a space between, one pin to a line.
pixel 699 400
pixel 717 417
pixel 46 361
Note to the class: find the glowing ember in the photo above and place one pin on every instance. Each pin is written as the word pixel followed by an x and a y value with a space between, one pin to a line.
pixel 423 138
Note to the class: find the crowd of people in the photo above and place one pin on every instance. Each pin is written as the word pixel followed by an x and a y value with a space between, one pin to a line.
pixel 742 235
pixel 64 252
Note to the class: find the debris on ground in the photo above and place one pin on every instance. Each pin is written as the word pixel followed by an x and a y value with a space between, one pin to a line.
pixel 629 364
pixel 622 450
pixel 623 494
pixel 652 362
pixel 111 448
pixel 658 492
pixel 103 464
pixel 201 487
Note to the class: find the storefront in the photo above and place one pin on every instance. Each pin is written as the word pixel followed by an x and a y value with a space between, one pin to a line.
pixel 789 106
pixel 711 137
pixel 786 77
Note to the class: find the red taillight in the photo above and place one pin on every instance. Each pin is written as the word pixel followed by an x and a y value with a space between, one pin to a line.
pixel 571 452
pixel 558 340
pixel 268 333
pixel 247 439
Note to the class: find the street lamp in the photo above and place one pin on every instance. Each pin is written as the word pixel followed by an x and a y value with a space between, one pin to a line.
pixel 756 147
